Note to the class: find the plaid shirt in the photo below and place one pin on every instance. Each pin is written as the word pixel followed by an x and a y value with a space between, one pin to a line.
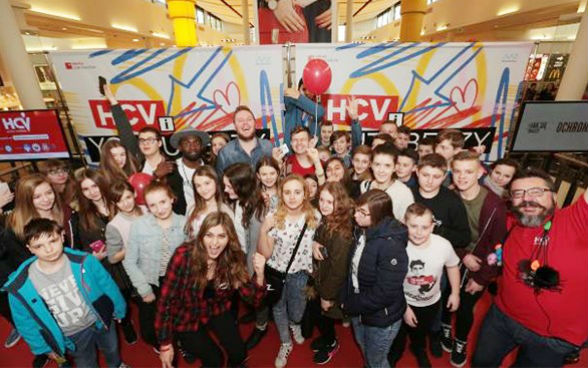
pixel 183 307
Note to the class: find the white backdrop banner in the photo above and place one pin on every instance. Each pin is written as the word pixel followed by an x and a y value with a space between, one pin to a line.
pixel 440 85
pixel 197 87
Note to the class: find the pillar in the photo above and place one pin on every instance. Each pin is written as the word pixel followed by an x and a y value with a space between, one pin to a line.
pixel 411 23
pixel 16 60
pixel 183 16
pixel 334 22
pixel 349 21
pixel 245 12
pixel 575 77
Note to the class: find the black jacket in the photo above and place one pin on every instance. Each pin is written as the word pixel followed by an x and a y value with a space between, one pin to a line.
pixel 382 268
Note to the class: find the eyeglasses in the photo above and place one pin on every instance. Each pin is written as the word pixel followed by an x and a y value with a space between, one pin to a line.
pixel 58 171
pixel 362 212
pixel 532 192
pixel 147 140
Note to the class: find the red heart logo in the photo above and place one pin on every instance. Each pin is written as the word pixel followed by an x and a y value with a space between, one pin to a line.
pixel 229 99
pixel 466 98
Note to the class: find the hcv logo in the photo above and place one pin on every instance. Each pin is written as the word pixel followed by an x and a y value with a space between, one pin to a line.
pixel 21 122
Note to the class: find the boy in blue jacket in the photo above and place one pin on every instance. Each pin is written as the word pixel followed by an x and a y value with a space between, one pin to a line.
pixel 63 300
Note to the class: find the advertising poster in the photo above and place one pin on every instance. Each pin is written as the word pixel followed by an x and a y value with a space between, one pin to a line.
pixel 31 135
pixel 170 89
pixel 436 86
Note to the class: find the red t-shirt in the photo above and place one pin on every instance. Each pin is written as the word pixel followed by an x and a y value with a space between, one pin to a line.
pixel 294 167
pixel 562 314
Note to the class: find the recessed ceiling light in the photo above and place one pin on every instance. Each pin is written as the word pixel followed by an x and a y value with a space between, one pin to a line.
pixel 124 27
pixel 135 40
pixel 64 28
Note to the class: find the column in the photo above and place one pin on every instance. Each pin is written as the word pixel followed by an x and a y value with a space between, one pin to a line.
pixel 575 77
pixel 349 22
pixel 16 60
pixel 245 12
pixel 183 15
pixel 411 23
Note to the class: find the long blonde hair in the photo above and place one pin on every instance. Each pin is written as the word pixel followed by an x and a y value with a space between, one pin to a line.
pixel 307 208
pixel 24 209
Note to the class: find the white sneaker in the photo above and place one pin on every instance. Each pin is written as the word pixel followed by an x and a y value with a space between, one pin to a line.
pixel 282 358
pixel 297 334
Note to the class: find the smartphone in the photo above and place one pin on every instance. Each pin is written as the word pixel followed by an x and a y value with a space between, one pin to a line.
pixel 284 148
pixel 97 246
pixel 324 252
pixel 101 83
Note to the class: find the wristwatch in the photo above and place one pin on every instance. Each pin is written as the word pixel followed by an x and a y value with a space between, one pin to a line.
pixel 272 4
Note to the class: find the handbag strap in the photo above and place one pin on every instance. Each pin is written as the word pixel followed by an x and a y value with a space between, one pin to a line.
pixel 296 247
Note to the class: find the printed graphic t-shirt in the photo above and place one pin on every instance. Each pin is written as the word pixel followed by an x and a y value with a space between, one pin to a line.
pixel 60 292
pixel 425 267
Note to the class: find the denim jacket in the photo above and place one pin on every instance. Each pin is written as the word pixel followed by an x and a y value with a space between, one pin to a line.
pixel 142 259
pixel 233 153
pixel 32 317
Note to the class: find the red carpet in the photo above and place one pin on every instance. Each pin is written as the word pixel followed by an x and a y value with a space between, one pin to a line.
pixel 140 355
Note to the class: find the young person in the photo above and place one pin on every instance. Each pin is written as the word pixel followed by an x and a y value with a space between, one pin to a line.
pixel 428 256
pixel 217 142
pixel 544 317
pixel 305 159
pixel 327 130
pixel 383 166
pixel 312 185
pixel 203 276
pixel 59 176
pixel 34 198
pixel 381 139
pixel 448 143
pixel 341 144
pixel 501 173
pixel 247 147
pixel 239 184
pixel 338 173
pixel 302 109
pixel 332 243
pixel 389 128
pixel 426 146
pixel 373 294
pixel 361 158
pixel 402 137
pixel 267 173
pixel 208 199
pixel 280 231
pixel 406 165
pixel 64 301
pixel 152 240
pixel 450 218
pixel 116 162
pixel 487 221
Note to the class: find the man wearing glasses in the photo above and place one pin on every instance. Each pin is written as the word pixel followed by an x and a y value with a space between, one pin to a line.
pixel 542 301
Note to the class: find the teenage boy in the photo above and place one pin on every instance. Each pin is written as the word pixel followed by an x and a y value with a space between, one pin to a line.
pixel 450 218
pixel 390 128
pixel 448 143
pixel 381 139
pixel 426 146
pixel 406 164
pixel 326 131
pixel 64 301
pixel 428 254
pixel 247 147
pixel 487 221
pixel 305 160
pixel 402 137
pixel 383 165
pixel 341 143
pixel 301 110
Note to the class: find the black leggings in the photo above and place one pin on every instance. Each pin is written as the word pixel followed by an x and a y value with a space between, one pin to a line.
pixel 201 344
pixel 147 313
pixel 325 325
pixel 464 316
pixel 424 316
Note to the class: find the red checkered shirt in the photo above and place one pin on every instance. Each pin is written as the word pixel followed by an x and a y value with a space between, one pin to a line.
pixel 183 307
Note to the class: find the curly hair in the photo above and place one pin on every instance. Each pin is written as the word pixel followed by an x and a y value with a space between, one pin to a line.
pixel 307 208
pixel 341 220
pixel 231 264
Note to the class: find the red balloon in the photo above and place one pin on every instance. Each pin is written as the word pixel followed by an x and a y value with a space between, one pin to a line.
pixel 139 181
pixel 317 76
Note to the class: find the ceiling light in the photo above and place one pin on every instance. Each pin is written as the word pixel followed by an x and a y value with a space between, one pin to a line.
pixel 508 10
pixel 161 44
pixel 124 27
pixel 135 40
pixel 161 35
pixel 442 27
pixel 64 28
pixel 55 13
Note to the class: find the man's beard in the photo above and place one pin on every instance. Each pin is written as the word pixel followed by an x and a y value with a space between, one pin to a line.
pixel 192 156
pixel 246 138
pixel 532 220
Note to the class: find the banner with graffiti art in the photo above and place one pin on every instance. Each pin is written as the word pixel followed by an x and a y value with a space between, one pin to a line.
pixel 170 89
pixel 436 86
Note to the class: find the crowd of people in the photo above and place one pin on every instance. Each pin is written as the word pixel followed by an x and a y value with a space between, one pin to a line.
pixel 399 243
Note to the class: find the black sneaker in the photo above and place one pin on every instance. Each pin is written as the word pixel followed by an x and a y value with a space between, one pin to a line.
pixel 40 361
pixel 422 358
pixel 318 344
pixel 324 356
pixel 129 333
pixel 435 344
pixel 188 357
pixel 459 353
pixel 572 358
pixel 255 338
pixel 446 339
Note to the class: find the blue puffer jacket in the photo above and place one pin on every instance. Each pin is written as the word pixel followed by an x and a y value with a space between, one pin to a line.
pixel 34 320
pixel 382 268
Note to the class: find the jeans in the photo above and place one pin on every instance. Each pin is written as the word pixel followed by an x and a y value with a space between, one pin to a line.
pixel 204 347
pixel 374 342
pixel 500 334
pixel 291 305
pixel 86 342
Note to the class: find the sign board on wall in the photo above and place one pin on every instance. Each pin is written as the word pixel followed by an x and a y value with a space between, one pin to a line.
pixel 554 126
pixel 31 135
